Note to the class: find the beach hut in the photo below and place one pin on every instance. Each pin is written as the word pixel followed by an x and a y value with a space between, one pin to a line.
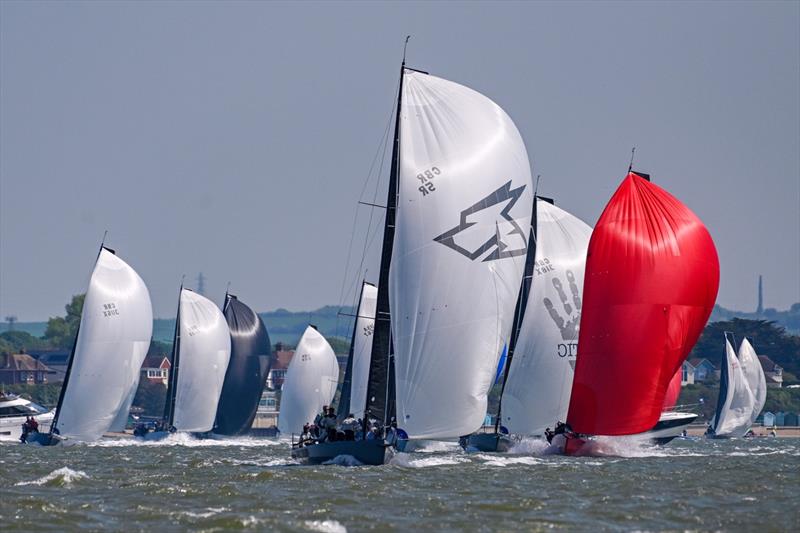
pixel 769 419
pixel 790 419
pixel 779 416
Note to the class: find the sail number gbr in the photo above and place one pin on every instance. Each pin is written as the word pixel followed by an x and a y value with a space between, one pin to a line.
pixel 425 178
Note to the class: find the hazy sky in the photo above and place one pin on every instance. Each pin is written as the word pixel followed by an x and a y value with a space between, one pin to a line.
pixel 235 139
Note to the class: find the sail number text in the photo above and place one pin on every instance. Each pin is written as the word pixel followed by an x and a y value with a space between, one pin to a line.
pixel 426 185
pixel 110 309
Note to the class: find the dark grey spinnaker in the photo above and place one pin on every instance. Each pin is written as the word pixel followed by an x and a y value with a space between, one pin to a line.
pixel 247 371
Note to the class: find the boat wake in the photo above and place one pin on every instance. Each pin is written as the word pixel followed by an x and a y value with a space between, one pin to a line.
pixel 188 440
pixel 63 477
pixel 408 460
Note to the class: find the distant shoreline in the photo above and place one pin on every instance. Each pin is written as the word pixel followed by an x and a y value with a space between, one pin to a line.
pixel 760 431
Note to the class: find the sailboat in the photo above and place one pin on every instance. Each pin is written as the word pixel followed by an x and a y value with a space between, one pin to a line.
pixel 652 276
pixel 463 218
pixel 247 370
pixel 354 387
pixel 201 350
pixel 737 402
pixel 310 382
pixel 112 341
pixel 541 355
pixel 754 373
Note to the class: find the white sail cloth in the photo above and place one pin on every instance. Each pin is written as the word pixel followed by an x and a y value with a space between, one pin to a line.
pixel 733 419
pixel 539 383
pixel 362 349
pixel 463 219
pixel 310 382
pixel 205 350
pixel 754 375
pixel 114 336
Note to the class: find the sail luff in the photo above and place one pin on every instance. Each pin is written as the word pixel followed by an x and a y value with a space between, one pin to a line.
pixel 377 384
pixel 169 405
pixel 344 398
pixel 68 372
pixel 519 313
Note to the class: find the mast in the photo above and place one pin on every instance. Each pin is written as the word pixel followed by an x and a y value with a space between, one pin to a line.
pixel 522 303
pixel 169 406
pixel 62 393
pixel 377 383
pixel 344 399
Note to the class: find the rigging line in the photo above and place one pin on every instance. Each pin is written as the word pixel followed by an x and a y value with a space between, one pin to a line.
pixel 367 240
pixel 630 166
pixel 381 148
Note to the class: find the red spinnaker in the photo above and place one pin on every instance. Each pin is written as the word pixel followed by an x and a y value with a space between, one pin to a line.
pixel 652 276
pixel 673 390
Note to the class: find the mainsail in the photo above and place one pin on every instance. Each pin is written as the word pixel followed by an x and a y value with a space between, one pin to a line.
pixel 310 382
pixel 113 339
pixel 464 203
pixel 754 374
pixel 354 387
pixel 537 389
pixel 736 401
pixel 203 352
pixel 652 276
pixel 247 370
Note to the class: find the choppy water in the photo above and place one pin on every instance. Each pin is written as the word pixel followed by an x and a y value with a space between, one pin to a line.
pixel 253 484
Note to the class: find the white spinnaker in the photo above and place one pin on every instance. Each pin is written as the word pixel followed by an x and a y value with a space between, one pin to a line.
pixel 734 418
pixel 114 336
pixel 463 220
pixel 205 350
pixel 362 349
pixel 121 420
pixel 754 374
pixel 539 384
pixel 310 382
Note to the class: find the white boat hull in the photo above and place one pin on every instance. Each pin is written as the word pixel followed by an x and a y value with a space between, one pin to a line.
pixel 11 427
pixel 671 424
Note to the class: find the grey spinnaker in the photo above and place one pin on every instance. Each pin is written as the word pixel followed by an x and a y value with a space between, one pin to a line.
pixel 247 371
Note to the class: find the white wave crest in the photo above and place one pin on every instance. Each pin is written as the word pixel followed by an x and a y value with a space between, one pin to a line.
pixel 62 477
pixel 406 460
pixel 325 526
pixel 188 440
pixel 344 460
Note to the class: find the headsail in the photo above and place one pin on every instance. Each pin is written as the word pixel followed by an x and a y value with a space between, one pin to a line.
pixel 539 382
pixel 652 276
pixel 735 404
pixel 354 388
pixel 754 374
pixel 462 223
pixel 247 370
pixel 204 353
pixel 114 336
pixel 310 382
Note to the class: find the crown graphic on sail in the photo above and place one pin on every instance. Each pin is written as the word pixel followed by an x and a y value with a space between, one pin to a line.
pixel 463 218
pixel 652 275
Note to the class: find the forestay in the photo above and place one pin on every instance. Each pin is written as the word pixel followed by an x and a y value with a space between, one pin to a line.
pixel 539 381
pixel 733 413
pixel 204 353
pixel 652 275
pixel 463 218
pixel 310 382
pixel 113 339
pixel 754 375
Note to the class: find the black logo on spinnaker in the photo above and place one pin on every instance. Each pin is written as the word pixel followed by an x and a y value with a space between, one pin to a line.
pixel 501 249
